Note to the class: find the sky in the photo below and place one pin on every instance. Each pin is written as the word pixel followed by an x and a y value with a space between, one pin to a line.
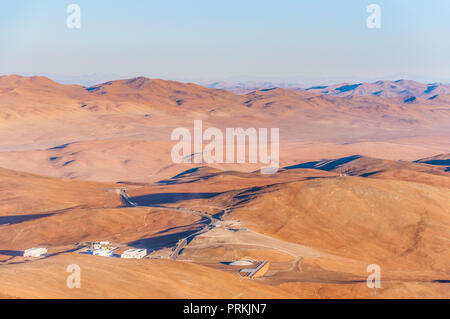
pixel 322 40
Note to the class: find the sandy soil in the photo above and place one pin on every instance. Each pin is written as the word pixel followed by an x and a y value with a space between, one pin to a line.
pixel 362 180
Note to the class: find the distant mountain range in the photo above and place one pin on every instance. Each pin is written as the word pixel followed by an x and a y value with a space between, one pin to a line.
pixel 84 79
pixel 250 86
pixel 404 88
pixel 364 179
pixel 407 89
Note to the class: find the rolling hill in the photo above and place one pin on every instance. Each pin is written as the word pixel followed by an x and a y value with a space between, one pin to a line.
pixel 72 131
pixel 360 182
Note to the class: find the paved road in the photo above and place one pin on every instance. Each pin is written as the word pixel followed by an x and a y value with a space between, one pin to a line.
pixel 127 200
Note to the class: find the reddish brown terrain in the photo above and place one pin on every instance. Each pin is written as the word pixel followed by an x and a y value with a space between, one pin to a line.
pixel 364 179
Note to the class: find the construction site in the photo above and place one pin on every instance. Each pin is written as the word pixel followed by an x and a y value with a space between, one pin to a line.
pixel 212 236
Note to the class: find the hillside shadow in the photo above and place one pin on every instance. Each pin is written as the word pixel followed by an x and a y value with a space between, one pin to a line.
pixel 169 198
pixel 5 220
pixel 179 178
pixel 325 165
pixel 13 253
pixel 189 171
pixel 60 147
pixel 437 162
pixel 445 162
pixel 161 242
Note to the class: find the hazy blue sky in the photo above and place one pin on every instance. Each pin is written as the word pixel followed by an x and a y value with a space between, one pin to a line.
pixel 221 39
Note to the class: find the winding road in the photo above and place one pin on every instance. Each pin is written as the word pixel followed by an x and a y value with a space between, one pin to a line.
pixel 210 221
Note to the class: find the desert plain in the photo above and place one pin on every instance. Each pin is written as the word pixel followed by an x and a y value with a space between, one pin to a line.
pixel 363 179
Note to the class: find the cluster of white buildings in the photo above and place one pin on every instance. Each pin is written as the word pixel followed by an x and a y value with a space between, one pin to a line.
pixel 101 248
pixel 104 249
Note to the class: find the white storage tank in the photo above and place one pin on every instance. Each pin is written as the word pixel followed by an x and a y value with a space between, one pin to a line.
pixel 134 253
pixel 35 252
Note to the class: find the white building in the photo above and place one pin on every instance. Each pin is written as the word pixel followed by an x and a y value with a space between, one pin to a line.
pixel 35 252
pixel 134 253
pixel 102 252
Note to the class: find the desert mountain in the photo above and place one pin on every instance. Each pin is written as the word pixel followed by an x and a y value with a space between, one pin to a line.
pixel 406 89
pixel 72 131
pixel 24 194
pixel 365 166
pixel 388 222
pixel 391 213
pixel 84 164
pixel 319 231
pixel 163 93
pixel 396 88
